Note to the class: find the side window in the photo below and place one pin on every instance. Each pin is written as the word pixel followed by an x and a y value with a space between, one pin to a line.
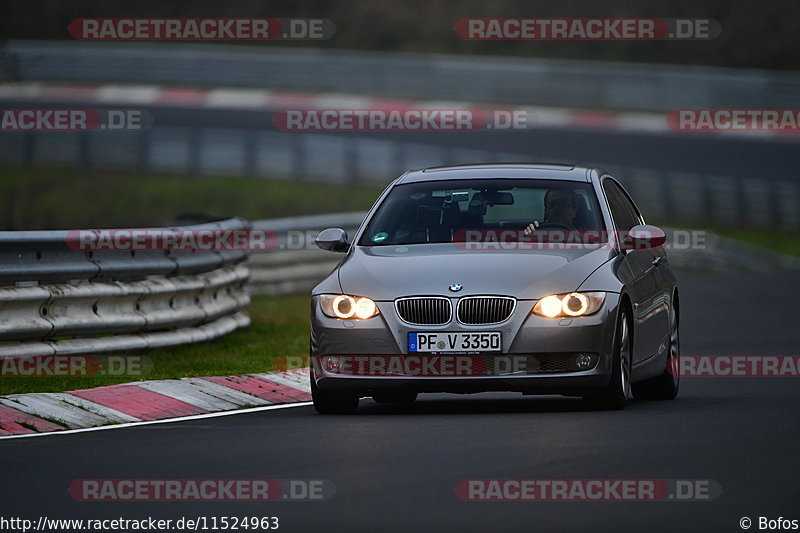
pixel 631 207
pixel 625 216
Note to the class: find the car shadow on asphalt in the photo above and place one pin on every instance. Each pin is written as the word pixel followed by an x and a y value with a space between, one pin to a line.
pixel 480 404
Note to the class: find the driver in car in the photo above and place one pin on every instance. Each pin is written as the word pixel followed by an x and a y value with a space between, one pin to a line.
pixel 560 209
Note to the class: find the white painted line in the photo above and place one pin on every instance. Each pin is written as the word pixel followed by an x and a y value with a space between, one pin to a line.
pixel 21 90
pixel 341 101
pixel 237 98
pixel 446 104
pixel 642 122
pixel 750 133
pixel 226 393
pixel 162 421
pixel 187 393
pixel 546 117
pixel 128 94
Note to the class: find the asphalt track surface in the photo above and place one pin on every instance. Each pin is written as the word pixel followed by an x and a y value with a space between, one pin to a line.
pixel 395 468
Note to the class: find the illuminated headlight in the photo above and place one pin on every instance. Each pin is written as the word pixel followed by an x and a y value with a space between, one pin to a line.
pixel 569 305
pixel 346 306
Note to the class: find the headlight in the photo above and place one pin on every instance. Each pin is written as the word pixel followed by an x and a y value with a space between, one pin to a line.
pixel 346 306
pixel 569 305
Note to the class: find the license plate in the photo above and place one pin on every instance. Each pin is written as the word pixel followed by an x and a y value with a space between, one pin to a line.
pixel 445 342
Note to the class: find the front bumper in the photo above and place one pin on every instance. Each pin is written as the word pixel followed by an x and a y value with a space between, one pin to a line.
pixel 525 337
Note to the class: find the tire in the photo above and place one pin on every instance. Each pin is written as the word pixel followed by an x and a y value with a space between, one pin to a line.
pixel 333 402
pixel 615 395
pixel 395 397
pixel 665 386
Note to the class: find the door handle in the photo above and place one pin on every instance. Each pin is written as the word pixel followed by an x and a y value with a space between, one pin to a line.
pixel 654 265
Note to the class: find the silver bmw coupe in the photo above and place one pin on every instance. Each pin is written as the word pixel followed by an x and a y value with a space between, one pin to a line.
pixel 531 278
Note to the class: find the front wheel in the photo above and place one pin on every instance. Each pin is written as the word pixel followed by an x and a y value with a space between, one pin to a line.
pixel 615 394
pixel 333 402
pixel 664 386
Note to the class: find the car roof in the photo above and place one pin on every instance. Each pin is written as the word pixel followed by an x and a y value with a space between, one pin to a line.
pixel 544 171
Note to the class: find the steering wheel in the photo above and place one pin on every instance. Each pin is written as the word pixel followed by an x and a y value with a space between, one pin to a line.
pixel 555 225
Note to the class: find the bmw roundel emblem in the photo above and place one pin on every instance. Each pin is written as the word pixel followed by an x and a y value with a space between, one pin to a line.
pixel 455 287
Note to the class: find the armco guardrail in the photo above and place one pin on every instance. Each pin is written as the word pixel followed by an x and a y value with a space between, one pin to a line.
pixel 55 299
pixel 296 265
pixel 566 83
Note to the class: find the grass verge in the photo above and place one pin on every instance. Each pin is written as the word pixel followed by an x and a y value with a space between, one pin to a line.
pixel 785 242
pixel 776 240
pixel 67 199
pixel 280 326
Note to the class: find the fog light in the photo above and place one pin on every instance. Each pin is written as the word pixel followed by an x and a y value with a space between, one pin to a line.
pixel 584 361
pixel 332 365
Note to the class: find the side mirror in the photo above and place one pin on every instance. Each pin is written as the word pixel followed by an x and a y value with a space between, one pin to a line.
pixel 643 237
pixel 333 240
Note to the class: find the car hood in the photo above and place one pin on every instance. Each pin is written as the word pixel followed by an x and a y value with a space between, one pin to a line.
pixel 389 272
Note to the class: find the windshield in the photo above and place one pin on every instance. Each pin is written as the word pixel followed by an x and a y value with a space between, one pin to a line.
pixel 447 211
